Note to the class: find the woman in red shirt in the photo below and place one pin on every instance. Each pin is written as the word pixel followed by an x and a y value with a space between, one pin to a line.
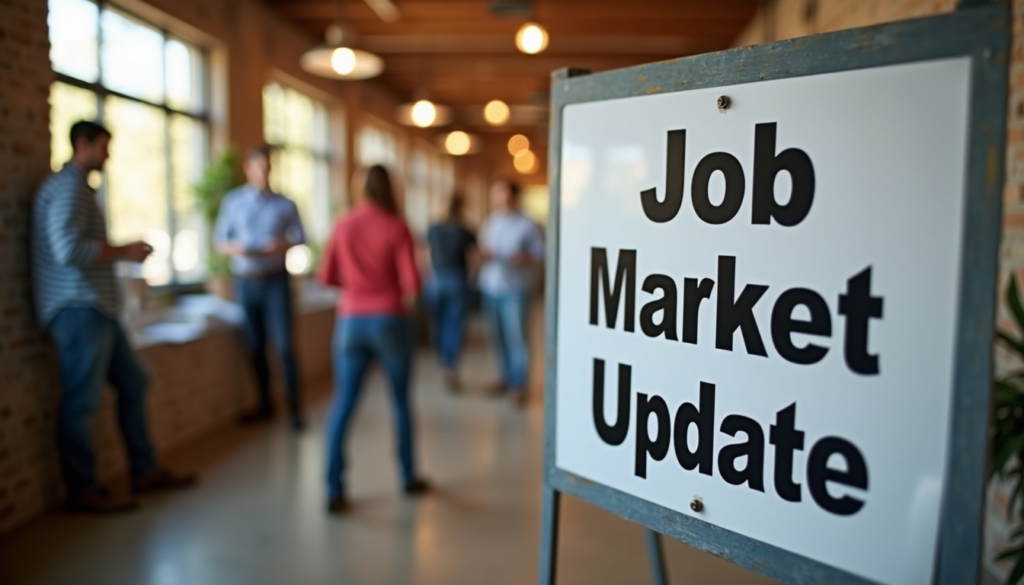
pixel 370 256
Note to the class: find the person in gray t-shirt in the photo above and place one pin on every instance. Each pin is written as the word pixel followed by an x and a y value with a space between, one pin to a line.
pixel 511 244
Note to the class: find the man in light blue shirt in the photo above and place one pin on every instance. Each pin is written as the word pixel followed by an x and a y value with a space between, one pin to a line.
pixel 511 245
pixel 256 227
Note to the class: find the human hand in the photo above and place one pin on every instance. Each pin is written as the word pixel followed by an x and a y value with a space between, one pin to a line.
pixel 519 259
pixel 136 251
pixel 276 247
pixel 233 249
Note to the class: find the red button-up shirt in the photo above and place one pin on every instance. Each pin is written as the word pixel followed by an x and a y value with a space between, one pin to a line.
pixel 370 256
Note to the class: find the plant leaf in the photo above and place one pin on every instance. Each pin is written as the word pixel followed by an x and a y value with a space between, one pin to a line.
pixel 1013 302
pixel 1015 345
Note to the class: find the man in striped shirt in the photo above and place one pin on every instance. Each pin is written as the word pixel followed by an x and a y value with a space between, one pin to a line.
pixel 77 303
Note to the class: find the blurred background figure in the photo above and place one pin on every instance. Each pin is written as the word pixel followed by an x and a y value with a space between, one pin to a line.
pixel 370 256
pixel 256 227
pixel 78 304
pixel 511 244
pixel 447 294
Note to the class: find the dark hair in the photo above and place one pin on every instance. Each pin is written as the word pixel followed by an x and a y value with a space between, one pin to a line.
pixel 90 131
pixel 259 151
pixel 455 205
pixel 378 189
pixel 513 189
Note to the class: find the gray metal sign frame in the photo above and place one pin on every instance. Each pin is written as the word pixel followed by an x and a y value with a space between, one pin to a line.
pixel 979 30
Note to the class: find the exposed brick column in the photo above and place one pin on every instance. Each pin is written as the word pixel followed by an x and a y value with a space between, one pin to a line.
pixel 29 475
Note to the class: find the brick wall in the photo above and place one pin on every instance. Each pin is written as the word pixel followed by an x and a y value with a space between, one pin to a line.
pixel 27 382
pixel 784 19
pixel 197 387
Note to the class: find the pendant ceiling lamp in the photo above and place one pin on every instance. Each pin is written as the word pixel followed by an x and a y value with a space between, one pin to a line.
pixel 421 112
pixel 532 38
pixel 338 58
pixel 458 143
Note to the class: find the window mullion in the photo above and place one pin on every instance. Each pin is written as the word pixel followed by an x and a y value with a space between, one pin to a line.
pixel 169 165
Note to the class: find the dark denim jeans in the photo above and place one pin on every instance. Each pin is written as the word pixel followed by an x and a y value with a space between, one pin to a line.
pixel 506 316
pixel 357 341
pixel 268 309
pixel 92 349
pixel 447 297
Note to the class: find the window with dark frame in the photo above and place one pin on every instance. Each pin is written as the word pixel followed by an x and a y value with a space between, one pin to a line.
pixel 298 127
pixel 150 88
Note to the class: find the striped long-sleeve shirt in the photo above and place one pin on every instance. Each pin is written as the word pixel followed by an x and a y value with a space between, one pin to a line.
pixel 68 232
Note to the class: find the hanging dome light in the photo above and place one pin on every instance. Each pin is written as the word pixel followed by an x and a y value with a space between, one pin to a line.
pixel 458 143
pixel 531 38
pixel 525 162
pixel 424 113
pixel 518 143
pixel 338 60
pixel 496 112
pixel 343 61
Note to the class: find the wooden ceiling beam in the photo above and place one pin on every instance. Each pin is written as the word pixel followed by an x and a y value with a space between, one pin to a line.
pixel 560 44
pixel 609 28
pixel 491 66
pixel 585 10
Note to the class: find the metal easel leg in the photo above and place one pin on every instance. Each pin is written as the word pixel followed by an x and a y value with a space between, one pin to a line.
pixel 656 557
pixel 551 501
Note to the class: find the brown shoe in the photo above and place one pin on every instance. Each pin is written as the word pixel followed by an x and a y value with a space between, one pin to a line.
pixel 162 479
pixel 417 487
pixel 451 381
pixel 256 416
pixel 102 501
pixel 338 506
pixel 517 398
pixel 496 389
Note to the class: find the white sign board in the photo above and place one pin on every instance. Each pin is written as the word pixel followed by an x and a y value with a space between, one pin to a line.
pixel 773 288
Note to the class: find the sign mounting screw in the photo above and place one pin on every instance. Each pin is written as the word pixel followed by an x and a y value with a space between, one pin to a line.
pixel 697 504
pixel 723 102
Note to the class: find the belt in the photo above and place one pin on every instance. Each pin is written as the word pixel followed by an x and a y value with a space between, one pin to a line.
pixel 264 275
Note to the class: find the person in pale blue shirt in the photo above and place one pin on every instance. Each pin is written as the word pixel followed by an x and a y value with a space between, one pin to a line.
pixel 256 227
pixel 511 245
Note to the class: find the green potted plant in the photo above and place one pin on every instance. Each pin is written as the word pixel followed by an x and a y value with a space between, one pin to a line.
pixel 1007 432
pixel 221 176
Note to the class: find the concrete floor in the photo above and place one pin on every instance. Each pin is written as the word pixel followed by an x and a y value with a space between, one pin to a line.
pixel 258 516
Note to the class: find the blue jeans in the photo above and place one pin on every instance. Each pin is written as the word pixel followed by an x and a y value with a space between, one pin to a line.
pixel 448 300
pixel 357 341
pixel 92 349
pixel 268 309
pixel 506 316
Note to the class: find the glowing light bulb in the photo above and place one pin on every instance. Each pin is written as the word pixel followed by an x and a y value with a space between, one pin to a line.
pixel 457 143
pixel 423 113
pixel 496 112
pixel 525 162
pixel 343 61
pixel 518 143
pixel 531 38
